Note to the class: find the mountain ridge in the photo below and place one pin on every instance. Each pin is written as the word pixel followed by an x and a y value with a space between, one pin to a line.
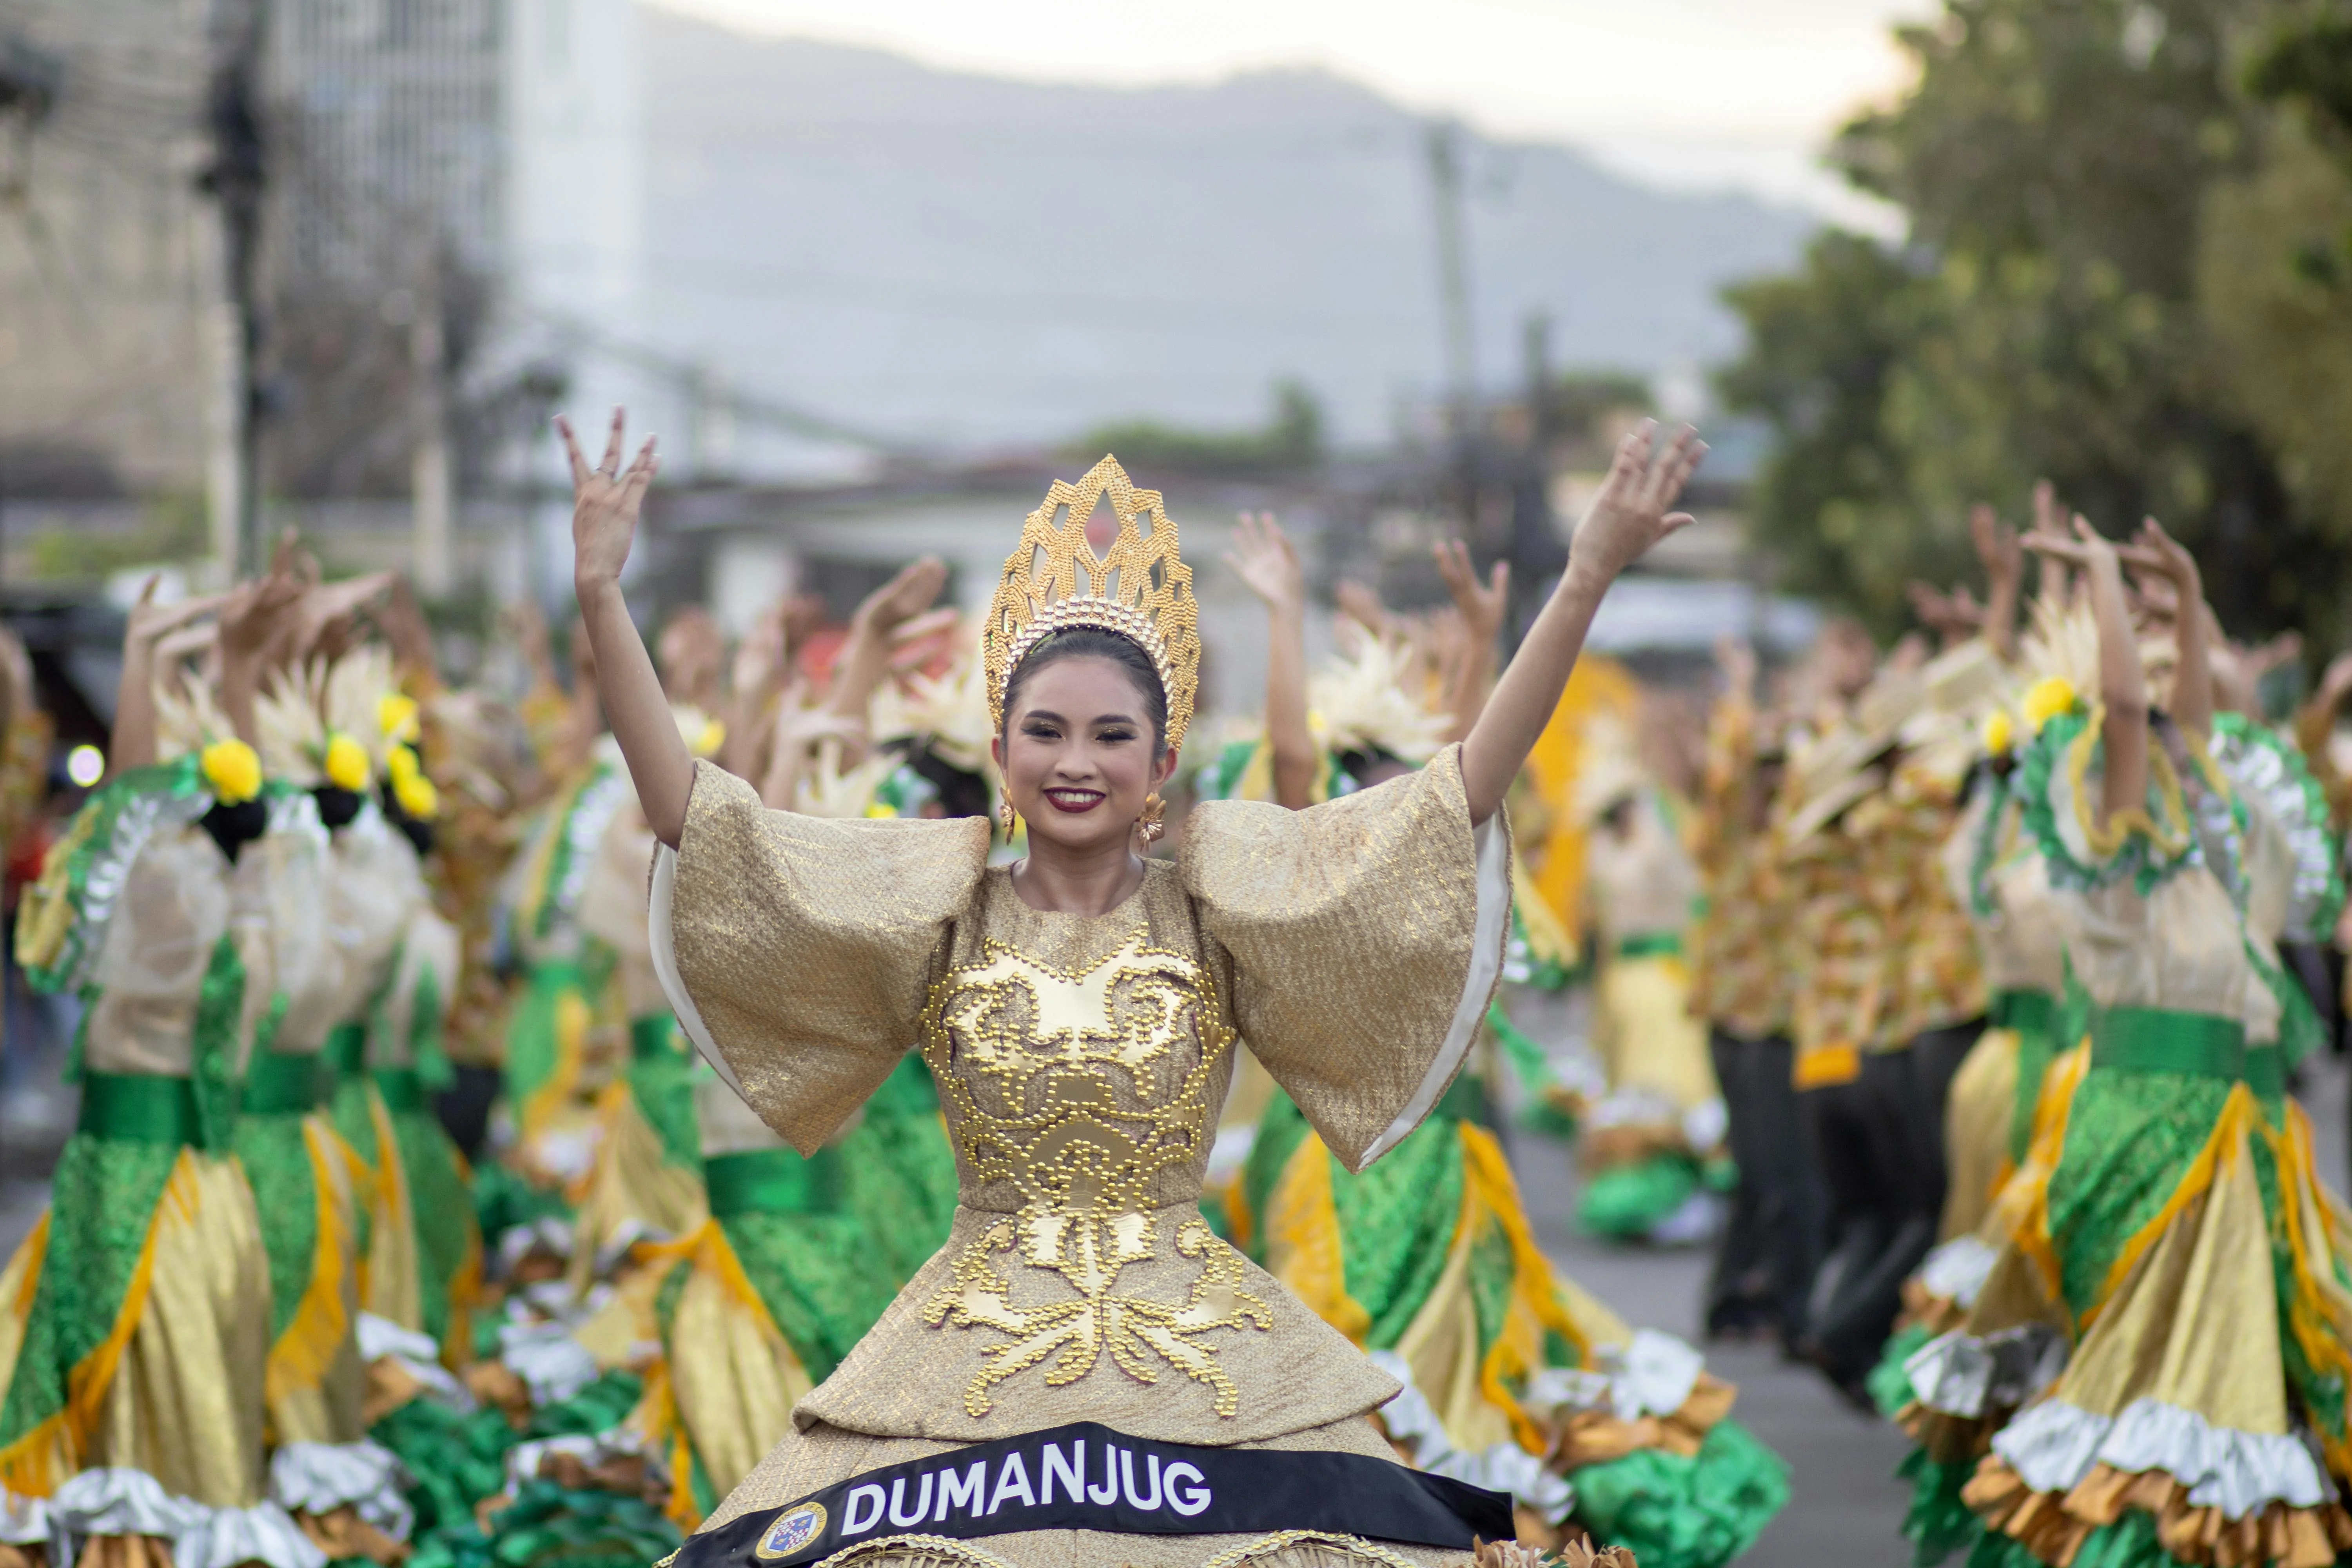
pixel 980 262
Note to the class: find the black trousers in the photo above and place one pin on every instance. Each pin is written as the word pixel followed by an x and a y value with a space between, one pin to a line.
pixel 1935 1059
pixel 1764 1258
pixel 1885 1187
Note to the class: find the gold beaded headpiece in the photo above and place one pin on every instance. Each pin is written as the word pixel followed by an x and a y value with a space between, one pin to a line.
pixel 1141 589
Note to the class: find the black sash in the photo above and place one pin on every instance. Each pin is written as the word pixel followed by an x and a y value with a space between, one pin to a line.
pixel 1088 1477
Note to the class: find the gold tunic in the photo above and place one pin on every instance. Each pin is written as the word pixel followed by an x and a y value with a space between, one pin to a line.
pixel 1080 1062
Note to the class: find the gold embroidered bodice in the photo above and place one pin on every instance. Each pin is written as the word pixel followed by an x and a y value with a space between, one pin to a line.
pixel 1076 1087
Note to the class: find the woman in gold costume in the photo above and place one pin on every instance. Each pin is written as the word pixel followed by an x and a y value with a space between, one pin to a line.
pixel 1084 1358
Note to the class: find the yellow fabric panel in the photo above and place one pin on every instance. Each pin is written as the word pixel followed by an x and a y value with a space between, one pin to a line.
pixel 733 1376
pixel 631 1181
pixel 392 1275
pixel 1596 685
pixel 18 1284
pixel 1643 1027
pixel 1302 1240
pixel 313 1382
pixel 2194 1320
pixel 1976 1131
pixel 1440 1345
pixel 2241 1115
pixel 183 1399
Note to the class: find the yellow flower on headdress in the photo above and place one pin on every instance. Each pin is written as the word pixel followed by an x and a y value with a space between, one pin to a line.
pixel 409 788
pixel 233 769
pixel 2000 732
pixel 346 762
pixel 2046 699
pixel 396 715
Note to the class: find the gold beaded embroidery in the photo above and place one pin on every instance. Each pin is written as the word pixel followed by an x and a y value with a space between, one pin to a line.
pixel 1075 1085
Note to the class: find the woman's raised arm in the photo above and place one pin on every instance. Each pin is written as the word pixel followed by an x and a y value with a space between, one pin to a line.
pixel 604 505
pixel 1626 517
pixel 2123 685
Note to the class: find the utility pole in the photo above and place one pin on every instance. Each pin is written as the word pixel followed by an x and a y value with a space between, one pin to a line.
pixel 1444 145
pixel 238 179
pixel 1536 552
pixel 432 486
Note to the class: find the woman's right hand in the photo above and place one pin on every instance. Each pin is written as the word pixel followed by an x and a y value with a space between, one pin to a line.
pixel 606 500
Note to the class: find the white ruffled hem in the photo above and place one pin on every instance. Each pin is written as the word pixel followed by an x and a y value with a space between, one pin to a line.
pixel 622 1442
pixel 262 1533
pixel 1956 1271
pixel 1651 1375
pixel 122 1501
pixel 25 1521
pixel 2054 1445
pixel 1959 1374
pixel 1504 1467
pixel 320 1478
pixel 381 1339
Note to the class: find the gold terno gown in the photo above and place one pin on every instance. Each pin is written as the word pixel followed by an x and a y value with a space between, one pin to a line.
pixel 1080 1063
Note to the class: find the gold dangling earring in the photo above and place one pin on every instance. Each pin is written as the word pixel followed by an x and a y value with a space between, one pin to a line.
pixel 1006 815
pixel 1149 824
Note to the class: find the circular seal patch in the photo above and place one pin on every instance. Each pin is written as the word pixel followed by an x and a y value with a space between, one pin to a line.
pixel 794 1529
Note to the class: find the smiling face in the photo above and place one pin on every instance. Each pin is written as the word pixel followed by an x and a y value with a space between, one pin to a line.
pixel 1077 754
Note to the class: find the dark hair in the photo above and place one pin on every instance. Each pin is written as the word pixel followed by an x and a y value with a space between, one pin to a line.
pixel 1093 642
pixel 337 807
pixel 234 827
pixel 418 833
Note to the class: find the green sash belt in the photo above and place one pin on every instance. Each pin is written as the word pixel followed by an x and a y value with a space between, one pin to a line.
pixel 2158 1039
pixel 401 1088
pixel 650 1037
pixel 2266 1071
pixel 346 1049
pixel 1652 944
pixel 141 1108
pixel 772 1181
pixel 279 1083
pixel 2027 1012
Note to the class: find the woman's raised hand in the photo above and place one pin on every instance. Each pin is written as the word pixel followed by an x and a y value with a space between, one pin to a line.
pixel 1483 604
pixel 606 500
pixel 1266 562
pixel 1630 513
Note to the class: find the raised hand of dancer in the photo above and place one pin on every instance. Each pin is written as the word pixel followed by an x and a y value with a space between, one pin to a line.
pixel 2123 686
pixel 865 655
pixel 605 501
pixel 254 618
pixel 132 743
pixel 2003 560
pixel 1482 606
pixel 1629 515
pixel 1265 561
pixel 2156 552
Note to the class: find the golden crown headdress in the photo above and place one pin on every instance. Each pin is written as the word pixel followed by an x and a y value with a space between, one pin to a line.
pixel 1141 589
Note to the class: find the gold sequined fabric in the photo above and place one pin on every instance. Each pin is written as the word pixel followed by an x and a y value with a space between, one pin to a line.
pixel 1943 975
pixel 1080 1062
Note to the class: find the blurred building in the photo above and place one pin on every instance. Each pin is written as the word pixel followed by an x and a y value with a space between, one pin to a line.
pixel 453 242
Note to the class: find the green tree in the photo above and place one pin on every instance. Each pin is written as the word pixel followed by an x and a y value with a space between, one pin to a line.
pixel 2061 164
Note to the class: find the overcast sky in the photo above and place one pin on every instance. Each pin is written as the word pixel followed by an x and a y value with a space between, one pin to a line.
pixel 1693 93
